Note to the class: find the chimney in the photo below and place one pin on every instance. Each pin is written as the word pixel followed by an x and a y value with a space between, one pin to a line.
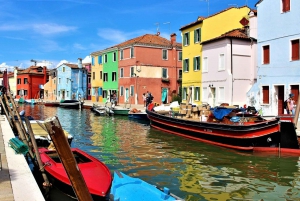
pixel 79 63
pixel 173 38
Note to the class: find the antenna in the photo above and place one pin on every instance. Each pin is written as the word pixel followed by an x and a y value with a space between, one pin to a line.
pixel 207 6
pixel 169 26
pixel 157 24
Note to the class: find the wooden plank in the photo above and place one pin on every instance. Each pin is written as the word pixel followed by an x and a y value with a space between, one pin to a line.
pixel 67 158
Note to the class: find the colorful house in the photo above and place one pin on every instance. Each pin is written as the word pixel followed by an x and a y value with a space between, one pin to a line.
pixel 30 82
pixel 96 77
pixel 50 86
pixel 193 34
pixel 71 81
pixel 278 58
pixel 149 63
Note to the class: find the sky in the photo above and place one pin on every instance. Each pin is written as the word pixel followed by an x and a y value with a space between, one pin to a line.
pixel 52 31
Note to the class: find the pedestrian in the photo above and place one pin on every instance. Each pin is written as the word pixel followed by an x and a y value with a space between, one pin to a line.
pixel 290 102
pixel 144 99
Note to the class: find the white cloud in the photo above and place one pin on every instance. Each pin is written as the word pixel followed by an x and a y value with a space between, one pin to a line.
pixel 49 29
pixel 11 27
pixel 112 35
pixel 4 66
pixel 50 45
pixel 79 46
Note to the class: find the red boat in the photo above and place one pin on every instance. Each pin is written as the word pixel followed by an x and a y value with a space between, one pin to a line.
pixel 241 131
pixel 95 173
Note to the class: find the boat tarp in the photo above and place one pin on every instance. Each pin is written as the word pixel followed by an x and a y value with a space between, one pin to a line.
pixel 220 112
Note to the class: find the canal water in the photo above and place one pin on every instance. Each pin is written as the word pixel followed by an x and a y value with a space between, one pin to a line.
pixel 192 170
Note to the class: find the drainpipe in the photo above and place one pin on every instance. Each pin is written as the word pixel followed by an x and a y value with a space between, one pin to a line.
pixel 231 61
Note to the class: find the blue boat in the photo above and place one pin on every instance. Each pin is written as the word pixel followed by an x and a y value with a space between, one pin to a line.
pixel 126 188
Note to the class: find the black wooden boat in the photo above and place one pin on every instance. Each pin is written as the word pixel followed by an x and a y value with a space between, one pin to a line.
pixel 76 104
pixel 243 131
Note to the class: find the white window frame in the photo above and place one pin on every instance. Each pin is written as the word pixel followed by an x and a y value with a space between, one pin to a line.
pixel 162 72
pixel 105 77
pixel 121 91
pixel 121 54
pixel 186 39
pixel 132 71
pixel 166 54
pixel 221 62
pixel 197 94
pixel 195 64
pixel 204 94
pixel 114 76
pixel 184 93
pixel 131 52
pixel 187 66
pixel 105 58
pixel 198 35
pixel 114 56
pixel 131 93
pixel 205 64
pixel 221 94
pixel 121 72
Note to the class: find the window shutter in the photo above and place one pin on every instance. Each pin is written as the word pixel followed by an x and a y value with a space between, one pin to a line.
pixel 295 50
pixel 195 36
pixel 184 65
pixel 199 35
pixel 188 38
pixel 195 63
pixel 265 91
pixel 92 60
pixel 266 52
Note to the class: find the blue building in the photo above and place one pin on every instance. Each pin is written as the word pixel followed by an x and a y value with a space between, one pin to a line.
pixel 278 62
pixel 71 81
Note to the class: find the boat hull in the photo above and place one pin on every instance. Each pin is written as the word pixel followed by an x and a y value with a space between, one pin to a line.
pixel 71 104
pixel 139 115
pixel 52 104
pixel 120 111
pixel 96 174
pixel 242 137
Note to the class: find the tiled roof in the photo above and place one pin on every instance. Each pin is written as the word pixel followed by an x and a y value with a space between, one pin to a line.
pixel 71 65
pixel 149 40
pixel 30 70
pixel 200 19
pixel 236 33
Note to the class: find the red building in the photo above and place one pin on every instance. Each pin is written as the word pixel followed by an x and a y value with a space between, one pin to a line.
pixel 149 63
pixel 30 82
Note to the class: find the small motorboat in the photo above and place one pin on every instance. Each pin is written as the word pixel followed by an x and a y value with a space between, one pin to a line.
pixel 52 103
pixel 138 114
pixel 125 187
pixel 96 174
pixel 71 104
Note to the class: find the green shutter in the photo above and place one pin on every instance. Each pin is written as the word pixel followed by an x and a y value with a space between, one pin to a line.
pixel 199 35
pixel 184 65
pixel 195 36
pixel 188 38
pixel 199 63
pixel 195 63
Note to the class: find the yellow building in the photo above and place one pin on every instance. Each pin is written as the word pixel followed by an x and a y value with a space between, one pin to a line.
pixel 192 35
pixel 96 76
pixel 50 86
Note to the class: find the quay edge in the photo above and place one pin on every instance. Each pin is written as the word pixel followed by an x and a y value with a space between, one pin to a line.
pixel 17 182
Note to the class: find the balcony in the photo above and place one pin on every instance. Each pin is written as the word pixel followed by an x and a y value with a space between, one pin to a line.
pixel 166 80
pixel 179 80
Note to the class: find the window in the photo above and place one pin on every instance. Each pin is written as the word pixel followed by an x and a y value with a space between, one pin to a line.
pixel 25 93
pixel 54 92
pixel 131 90
pixel 53 81
pixel 67 93
pixel 114 56
pixel 100 59
pixel 221 94
pixel 89 80
pixel 105 77
pixel 121 72
pixel 186 39
pixel 59 80
pixel 221 62
pixel 92 61
pixel 164 73
pixel 205 64
pixel 132 71
pixel 63 69
pixel 266 54
pixel 197 94
pixel 19 81
pixel 25 81
pixel 105 58
pixel 197 35
pixel 265 92
pixel 114 76
pixel 165 54
pixel 184 93
pixel 121 91
pixel 89 92
pixel 196 63
pixel 286 5
pixel 100 75
pixel 295 49
pixel 180 56
pixel 104 95
pixel 93 75
pixel 204 94
pixel 180 74
pixel 186 65
pixel 121 54
pixel 131 52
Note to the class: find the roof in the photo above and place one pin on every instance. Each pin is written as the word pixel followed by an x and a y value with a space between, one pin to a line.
pixel 31 70
pixel 149 40
pixel 200 19
pixel 240 33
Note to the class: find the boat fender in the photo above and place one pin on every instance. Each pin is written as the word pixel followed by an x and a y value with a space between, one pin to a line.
pixel 235 119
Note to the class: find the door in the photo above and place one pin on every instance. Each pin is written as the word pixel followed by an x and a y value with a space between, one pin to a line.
pixel 295 91
pixel 280 92
pixel 212 97
pixel 126 95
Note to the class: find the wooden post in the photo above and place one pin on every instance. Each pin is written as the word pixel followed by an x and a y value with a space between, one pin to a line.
pixel 67 158
pixel 6 113
pixel 46 183
pixel 295 120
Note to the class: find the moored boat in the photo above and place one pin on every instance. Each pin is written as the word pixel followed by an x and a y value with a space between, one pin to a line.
pixel 120 111
pixel 95 173
pixel 52 103
pixel 233 129
pixel 138 114
pixel 125 187
pixel 71 104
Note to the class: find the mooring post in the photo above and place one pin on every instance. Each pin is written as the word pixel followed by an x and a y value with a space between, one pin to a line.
pixel 67 158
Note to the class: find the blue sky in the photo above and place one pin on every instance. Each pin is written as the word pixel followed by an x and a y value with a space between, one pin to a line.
pixel 55 30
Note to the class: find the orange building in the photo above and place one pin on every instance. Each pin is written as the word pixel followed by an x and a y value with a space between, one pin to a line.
pixel 30 82
pixel 149 63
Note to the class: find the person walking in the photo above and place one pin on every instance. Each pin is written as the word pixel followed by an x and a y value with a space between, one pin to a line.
pixel 290 105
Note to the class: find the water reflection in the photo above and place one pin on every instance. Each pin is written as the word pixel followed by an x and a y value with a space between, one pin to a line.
pixel 192 170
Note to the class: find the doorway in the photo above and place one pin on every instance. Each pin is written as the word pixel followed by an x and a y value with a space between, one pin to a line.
pixel 280 96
